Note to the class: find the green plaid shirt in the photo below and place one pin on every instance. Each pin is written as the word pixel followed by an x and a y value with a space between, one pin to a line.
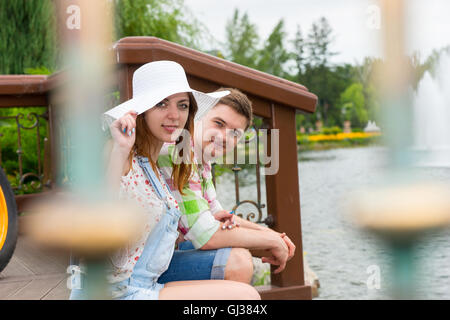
pixel 197 204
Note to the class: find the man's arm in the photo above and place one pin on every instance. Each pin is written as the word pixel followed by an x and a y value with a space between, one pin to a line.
pixel 278 251
pixel 229 221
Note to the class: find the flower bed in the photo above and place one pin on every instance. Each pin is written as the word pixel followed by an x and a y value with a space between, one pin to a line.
pixel 338 140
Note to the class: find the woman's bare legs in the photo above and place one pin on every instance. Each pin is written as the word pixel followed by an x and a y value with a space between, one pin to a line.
pixel 208 290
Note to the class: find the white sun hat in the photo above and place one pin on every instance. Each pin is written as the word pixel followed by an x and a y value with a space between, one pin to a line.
pixel 155 81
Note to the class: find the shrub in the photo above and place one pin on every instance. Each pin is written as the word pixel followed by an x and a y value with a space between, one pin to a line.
pixel 332 130
pixel 28 138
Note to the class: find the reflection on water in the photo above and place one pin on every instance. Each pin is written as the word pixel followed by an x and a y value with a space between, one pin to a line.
pixel 336 250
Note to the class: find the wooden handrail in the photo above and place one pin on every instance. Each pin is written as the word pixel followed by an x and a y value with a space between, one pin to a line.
pixel 139 50
pixel 23 84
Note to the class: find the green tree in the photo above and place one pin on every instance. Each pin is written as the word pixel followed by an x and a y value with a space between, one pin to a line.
pixel 339 77
pixel 242 40
pixel 299 54
pixel 27 35
pixel 273 55
pixel 319 42
pixel 166 19
pixel 353 105
pixel 365 74
pixel 312 56
pixel 430 64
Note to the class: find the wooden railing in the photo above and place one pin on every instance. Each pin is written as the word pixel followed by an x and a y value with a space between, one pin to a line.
pixel 24 91
pixel 275 100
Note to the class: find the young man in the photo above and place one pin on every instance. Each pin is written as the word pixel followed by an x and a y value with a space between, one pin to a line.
pixel 223 250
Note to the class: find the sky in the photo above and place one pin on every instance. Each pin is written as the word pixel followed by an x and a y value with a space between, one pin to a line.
pixel 354 22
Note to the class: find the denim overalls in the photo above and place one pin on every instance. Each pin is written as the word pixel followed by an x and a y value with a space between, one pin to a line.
pixel 157 253
pixel 158 249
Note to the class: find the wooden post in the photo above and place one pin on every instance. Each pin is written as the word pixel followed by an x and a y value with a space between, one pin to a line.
pixel 283 202
pixel 125 82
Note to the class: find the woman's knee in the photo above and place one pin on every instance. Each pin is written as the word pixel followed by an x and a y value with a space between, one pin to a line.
pixel 239 265
pixel 247 292
pixel 208 290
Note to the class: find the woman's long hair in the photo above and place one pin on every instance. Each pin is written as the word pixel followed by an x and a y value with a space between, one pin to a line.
pixel 145 139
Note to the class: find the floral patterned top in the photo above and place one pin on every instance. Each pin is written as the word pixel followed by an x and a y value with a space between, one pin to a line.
pixel 135 186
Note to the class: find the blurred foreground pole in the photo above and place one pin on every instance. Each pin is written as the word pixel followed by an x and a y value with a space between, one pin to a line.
pixel 86 39
pixel 394 87
pixel 86 34
pixel 402 208
pixel 86 222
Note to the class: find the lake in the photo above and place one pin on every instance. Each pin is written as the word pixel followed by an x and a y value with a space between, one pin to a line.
pixel 342 256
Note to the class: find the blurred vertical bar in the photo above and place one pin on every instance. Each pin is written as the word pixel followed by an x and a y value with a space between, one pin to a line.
pixel 397 119
pixel 394 85
pixel 85 38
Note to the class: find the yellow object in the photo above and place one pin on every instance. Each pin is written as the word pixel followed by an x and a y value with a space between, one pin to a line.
pixel 3 219
pixel 342 136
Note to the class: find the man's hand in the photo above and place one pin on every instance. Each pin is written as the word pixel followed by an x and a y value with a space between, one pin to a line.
pixel 279 254
pixel 290 245
pixel 229 222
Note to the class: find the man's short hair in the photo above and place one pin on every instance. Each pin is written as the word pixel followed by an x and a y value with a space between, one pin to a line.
pixel 239 102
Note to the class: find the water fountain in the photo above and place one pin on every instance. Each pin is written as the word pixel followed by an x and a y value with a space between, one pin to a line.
pixel 432 117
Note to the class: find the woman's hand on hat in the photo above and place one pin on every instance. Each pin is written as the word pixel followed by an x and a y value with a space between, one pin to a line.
pixel 123 131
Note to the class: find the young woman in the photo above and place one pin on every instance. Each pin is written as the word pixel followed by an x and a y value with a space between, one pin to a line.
pixel 162 105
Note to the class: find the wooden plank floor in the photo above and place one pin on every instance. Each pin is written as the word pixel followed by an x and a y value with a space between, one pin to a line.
pixel 34 274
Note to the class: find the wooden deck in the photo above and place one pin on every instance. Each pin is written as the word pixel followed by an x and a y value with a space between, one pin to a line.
pixel 34 274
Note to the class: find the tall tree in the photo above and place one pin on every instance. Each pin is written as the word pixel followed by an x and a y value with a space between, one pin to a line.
pixel 299 53
pixel 430 64
pixel 320 38
pixel 273 55
pixel 313 56
pixel 242 40
pixel 27 35
pixel 166 19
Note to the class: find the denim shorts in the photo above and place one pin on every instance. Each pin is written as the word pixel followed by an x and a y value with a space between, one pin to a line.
pixel 189 263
